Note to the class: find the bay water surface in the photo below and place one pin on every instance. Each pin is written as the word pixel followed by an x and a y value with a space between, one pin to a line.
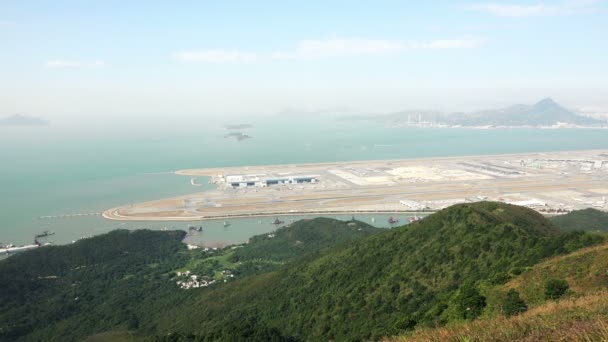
pixel 68 169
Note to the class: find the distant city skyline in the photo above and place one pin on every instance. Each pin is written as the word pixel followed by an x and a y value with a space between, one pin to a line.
pixel 66 59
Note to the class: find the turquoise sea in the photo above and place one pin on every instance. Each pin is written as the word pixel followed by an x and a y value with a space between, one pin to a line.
pixel 87 168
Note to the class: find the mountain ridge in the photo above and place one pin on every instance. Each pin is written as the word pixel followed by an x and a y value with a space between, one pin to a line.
pixel 544 113
pixel 22 120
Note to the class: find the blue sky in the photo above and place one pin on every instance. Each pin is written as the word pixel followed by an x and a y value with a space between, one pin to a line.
pixel 116 58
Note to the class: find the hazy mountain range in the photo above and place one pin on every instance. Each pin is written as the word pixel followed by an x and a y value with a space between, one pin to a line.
pixel 21 120
pixel 544 113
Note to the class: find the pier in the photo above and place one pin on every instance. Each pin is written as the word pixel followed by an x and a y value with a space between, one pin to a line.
pixel 68 216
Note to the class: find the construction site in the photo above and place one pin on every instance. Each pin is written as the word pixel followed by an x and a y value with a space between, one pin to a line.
pixel 553 183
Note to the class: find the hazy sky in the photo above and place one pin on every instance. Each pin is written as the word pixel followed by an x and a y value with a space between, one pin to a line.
pixel 61 59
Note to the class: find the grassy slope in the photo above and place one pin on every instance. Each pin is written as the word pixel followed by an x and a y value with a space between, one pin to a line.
pixel 581 316
pixel 587 219
pixel 586 271
pixel 580 319
pixel 384 284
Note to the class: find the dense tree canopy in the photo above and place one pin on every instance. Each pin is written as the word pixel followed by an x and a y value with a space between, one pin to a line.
pixel 315 280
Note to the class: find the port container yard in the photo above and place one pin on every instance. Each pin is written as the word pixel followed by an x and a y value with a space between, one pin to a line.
pixel 553 182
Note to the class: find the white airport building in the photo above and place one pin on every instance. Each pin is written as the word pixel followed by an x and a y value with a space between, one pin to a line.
pixel 263 180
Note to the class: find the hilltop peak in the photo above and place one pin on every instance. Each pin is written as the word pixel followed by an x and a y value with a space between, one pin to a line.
pixel 545 112
pixel 547 100
pixel 488 214
pixel 547 103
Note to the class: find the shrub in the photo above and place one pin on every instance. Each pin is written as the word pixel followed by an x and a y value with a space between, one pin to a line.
pixel 513 304
pixel 555 288
pixel 468 302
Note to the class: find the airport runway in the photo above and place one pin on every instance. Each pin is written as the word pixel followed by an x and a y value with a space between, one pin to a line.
pixel 547 182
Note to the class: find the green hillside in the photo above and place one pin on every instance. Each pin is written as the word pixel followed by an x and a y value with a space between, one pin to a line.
pixel 385 284
pixel 302 237
pixel 109 281
pixel 314 280
pixel 122 280
pixel 580 315
pixel 587 220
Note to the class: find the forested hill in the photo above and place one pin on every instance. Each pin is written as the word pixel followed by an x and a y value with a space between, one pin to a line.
pixel 588 220
pixel 60 293
pixel 303 237
pixel 319 279
pixel 382 285
pixel 124 279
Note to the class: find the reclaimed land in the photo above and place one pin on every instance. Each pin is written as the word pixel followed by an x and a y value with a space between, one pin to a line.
pixel 552 182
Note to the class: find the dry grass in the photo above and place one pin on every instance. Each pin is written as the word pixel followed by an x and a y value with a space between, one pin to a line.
pixel 581 319
pixel 585 270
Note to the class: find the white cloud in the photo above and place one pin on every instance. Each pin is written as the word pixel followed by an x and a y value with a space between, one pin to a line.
pixel 325 48
pixel 63 63
pixel 453 44
pixel 215 56
pixel 538 9
pixel 358 47
pixel 346 47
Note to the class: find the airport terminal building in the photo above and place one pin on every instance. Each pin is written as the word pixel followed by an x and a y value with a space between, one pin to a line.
pixel 262 180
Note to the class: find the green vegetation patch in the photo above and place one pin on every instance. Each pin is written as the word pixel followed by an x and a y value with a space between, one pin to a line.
pixel 586 220
pixel 385 284
pixel 317 279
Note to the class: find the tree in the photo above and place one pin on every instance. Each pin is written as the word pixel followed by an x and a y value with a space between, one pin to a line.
pixel 468 302
pixel 513 304
pixel 555 288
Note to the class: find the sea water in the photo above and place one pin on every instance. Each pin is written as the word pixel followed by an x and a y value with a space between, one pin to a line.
pixel 68 169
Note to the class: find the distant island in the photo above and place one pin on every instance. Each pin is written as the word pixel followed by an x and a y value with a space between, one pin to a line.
pixel 22 120
pixel 238 126
pixel 544 114
pixel 237 135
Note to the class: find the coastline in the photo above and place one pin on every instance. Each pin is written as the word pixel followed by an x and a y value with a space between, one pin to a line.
pixel 111 214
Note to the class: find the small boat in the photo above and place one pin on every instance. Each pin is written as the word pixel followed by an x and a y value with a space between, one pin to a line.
pixel 196 229
pixel 413 219
pixel 392 220
pixel 44 234
pixel 277 221
pixel 226 224
pixel 373 220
